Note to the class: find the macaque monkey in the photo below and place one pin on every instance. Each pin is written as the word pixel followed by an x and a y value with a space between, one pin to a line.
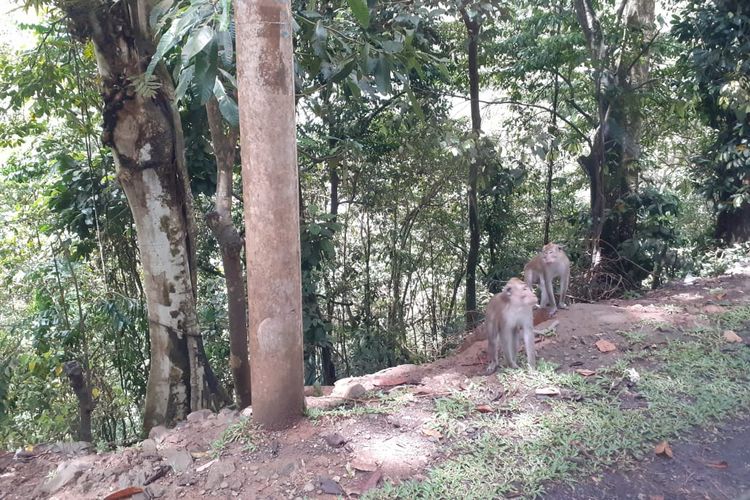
pixel 509 316
pixel 551 263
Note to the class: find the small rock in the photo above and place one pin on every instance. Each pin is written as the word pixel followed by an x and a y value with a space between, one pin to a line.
pixel 335 440
pixel 179 460
pixel 148 447
pixel 155 491
pixel 364 465
pixel 330 487
pixel 227 416
pixel 247 412
pixel 349 391
pixel 224 485
pixel 158 433
pixel 185 480
pixel 309 487
pixel 214 478
pixel 227 468
pixel 731 337
pixel 199 415
pixel 66 472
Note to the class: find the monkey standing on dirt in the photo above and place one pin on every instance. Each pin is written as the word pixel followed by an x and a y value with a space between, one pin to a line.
pixel 510 316
pixel 549 264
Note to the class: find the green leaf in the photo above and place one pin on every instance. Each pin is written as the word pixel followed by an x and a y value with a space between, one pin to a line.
pixel 415 104
pixel 382 75
pixel 227 106
pixel 196 42
pixel 227 47
pixel 226 10
pixel 392 47
pixel 360 11
pixel 186 77
pixel 158 11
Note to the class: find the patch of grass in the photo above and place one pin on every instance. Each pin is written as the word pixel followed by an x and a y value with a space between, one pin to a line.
pixel 243 431
pixel 386 403
pixel 694 382
pixel 633 337
pixel 737 318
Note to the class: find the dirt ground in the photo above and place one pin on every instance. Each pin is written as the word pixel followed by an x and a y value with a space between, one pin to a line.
pixel 351 453
pixel 703 467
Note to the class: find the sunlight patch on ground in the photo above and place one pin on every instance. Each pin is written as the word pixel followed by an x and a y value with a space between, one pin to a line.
pixel 396 452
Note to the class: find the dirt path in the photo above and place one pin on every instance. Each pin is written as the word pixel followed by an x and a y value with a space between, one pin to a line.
pixel 706 465
pixel 387 431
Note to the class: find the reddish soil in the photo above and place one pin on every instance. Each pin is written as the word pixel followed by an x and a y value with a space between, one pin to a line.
pixel 345 455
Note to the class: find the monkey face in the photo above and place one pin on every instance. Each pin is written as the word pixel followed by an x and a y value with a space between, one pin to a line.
pixel 551 253
pixel 519 293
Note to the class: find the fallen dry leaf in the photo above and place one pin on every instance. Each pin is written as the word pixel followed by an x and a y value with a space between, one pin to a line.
pixel 548 391
pixel 124 493
pixel 712 309
pixel 731 337
pixel 584 372
pixel 605 346
pixel 663 448
pixel 484 409
pixel 718 465
pixel 431 432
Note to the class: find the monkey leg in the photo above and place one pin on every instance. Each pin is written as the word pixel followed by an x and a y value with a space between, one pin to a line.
pixel 492 349
pixel 507 343
pixel 564 282
pixel 550 293
pixel 528 339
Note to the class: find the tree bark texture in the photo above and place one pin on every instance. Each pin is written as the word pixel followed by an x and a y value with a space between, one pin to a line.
pixel 86 404
pixel 269 175
pixel 224 141
pixel 472 259
pixel 146 139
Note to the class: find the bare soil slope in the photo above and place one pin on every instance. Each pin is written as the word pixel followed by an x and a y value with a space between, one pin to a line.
pixel 385 432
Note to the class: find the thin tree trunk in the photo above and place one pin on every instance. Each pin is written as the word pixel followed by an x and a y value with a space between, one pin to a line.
pixel 271 192
pixel 551 155
pixel 471 313
pixel 224 141
pixel 326 351
pixel 82 389
pixel 146 139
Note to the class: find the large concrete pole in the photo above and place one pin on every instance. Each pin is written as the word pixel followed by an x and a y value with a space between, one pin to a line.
pixel 269 178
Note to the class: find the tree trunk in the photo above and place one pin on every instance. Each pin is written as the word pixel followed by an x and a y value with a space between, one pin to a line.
pixel 734 226
pixel 471 313
pixel 271 191
pixel 145 136
pixel 326 351
pixel 611 163
pixel 86 404
pixel 230 243
pixel 552 153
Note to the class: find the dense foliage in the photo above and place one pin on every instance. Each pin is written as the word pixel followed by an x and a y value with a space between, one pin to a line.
pixel 385 149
